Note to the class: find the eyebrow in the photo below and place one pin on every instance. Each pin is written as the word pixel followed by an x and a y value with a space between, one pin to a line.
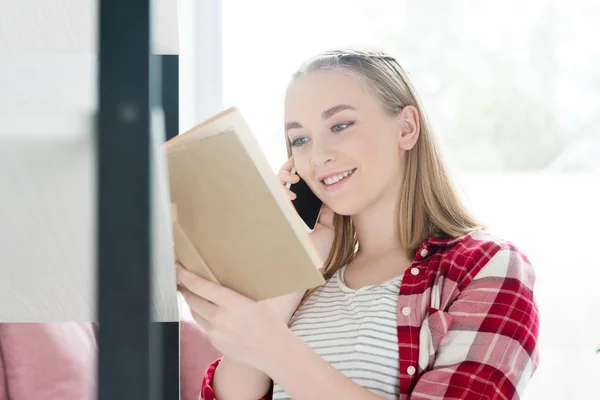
pixel 330 112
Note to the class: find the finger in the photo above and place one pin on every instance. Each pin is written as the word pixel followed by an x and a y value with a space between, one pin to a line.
pixel 204 288
pixel 202 323
pixel 288 165
pixel 178 265
pixel 198 305
pixel 287 177
pixel 291 195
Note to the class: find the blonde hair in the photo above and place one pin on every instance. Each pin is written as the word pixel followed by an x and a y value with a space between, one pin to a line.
pixel 428 204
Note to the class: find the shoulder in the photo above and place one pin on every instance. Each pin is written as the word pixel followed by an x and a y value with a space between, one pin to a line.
pixel 480 255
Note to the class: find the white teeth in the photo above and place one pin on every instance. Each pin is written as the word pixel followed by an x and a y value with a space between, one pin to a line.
pixel 333 179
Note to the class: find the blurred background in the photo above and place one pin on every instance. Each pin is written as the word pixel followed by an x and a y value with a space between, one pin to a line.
pixel 512 90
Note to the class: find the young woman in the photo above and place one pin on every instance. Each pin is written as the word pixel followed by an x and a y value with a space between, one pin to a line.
pixel 419 301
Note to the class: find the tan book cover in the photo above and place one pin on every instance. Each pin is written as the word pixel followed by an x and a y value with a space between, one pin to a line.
pixel 232 222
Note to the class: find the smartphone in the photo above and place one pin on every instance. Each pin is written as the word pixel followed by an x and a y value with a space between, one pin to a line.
pixel 307 204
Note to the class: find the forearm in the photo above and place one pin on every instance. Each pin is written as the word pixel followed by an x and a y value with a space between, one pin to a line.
pixel 237 381
pixel 306 376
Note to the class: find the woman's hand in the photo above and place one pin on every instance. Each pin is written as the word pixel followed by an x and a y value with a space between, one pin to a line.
pixel 323 235
pixel 238 327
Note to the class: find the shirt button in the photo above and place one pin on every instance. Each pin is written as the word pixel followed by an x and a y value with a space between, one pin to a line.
pixel 406 311
pixel 424 252
pixel 411 370
pixel 414 271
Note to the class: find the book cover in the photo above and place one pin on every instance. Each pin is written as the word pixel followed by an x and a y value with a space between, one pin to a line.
pixel 232 222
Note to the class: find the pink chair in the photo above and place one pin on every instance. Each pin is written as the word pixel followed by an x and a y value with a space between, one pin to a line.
pixel 58 361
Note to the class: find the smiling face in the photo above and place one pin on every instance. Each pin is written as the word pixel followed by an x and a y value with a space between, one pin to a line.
pixel 346 146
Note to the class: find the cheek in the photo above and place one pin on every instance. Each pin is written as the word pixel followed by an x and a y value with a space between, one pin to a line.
pixel 379 159
pixel 368 149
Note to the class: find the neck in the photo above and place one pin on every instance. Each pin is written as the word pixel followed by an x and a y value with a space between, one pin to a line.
pixel 376 228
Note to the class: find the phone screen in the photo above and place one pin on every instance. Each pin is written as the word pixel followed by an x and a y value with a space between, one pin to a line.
pixel 307 204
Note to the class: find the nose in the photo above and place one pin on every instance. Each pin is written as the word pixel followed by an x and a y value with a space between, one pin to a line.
pixel 322 153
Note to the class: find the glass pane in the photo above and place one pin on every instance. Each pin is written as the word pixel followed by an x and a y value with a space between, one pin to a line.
pixel 512 89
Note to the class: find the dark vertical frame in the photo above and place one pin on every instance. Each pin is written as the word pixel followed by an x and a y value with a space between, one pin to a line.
pixel 170 330
pixel 170 93
pixel 130 346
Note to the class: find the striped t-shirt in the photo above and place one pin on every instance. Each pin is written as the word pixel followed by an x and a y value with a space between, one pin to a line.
pixel 355 331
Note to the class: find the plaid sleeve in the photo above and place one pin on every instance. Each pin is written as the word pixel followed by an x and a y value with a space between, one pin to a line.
pixel 490 349
pixel 206 390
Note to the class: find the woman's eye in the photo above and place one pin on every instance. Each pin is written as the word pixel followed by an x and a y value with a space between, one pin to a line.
pixel 340 127
pixel 299 142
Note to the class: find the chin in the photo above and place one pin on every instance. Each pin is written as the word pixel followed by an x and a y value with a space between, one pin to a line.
pixel 347 208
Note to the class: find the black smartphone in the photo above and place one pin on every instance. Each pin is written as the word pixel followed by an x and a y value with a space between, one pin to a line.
pixel 307 204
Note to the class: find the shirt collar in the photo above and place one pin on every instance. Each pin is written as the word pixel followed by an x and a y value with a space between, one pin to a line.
pixel 444 241
pixel 430 246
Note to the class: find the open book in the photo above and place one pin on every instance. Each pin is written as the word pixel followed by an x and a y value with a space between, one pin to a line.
pixel 232 222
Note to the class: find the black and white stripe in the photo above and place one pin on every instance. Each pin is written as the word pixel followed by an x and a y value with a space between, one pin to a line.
pixel 355 331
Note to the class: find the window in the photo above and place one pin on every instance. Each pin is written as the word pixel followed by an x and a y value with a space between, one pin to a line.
pixel 511 89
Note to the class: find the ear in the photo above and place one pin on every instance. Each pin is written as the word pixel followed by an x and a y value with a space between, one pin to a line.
pixel 408 120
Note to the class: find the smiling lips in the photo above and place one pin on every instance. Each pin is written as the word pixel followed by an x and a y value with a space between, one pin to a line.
pixel 336 178
pixel 332 182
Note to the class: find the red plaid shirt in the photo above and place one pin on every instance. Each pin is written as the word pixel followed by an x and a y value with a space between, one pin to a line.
pixel 467 322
